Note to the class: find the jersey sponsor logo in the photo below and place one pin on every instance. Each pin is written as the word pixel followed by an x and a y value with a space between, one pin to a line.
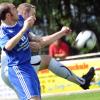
pixel 24 44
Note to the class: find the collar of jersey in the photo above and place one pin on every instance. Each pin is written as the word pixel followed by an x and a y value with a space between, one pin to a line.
pixel 5 25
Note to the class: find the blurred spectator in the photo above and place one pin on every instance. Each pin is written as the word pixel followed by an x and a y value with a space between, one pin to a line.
pixel 59 49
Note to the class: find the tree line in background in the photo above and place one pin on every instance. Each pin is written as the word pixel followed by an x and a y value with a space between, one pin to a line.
pixel 77 14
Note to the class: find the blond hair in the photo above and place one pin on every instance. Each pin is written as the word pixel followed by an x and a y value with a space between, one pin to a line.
pixel 25 7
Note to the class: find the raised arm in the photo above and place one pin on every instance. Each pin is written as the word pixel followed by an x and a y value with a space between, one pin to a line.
pixel 40 42
pixel 51 38
pixel 14 40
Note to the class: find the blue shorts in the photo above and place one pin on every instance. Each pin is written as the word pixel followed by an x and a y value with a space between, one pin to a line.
pixel 24 81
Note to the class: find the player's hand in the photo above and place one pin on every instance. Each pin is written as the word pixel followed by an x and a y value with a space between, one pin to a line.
pixel 66 30
pixel 34 46
pixel 28 23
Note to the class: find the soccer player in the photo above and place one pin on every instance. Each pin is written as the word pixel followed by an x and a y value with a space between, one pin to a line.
pixel 14 42
pixel 45 61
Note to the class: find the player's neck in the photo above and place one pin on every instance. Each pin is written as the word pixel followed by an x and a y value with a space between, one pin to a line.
pixel 9 22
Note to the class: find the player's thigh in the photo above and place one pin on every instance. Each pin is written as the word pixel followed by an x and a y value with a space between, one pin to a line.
pixel 40 62
pixel 45 60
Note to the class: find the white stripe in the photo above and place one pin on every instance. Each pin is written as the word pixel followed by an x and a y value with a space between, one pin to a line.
pixel 80 80
pixel 22 81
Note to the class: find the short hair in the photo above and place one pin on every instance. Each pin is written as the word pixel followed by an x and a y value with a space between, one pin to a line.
pixel 4 9
pixel 25 7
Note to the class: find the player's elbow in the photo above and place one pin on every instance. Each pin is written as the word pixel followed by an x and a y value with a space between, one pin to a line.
pixel 8 48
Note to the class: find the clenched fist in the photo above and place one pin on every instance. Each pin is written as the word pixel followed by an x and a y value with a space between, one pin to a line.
pixel 28 23
pixel 66 30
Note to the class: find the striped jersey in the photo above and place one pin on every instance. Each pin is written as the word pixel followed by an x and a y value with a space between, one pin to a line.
pixel 21 52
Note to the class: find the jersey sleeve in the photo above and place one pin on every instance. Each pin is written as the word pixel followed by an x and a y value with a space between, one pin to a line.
pixel 3 40
pixel 21 18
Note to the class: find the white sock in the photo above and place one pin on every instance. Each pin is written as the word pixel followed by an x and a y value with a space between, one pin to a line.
pixel 64 72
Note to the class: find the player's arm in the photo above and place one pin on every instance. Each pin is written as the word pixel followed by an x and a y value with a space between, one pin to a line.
pixel 51 38
pixel 46 40
pixel 34 38
pixel 35 46
pixel 35 41
pixel 14 40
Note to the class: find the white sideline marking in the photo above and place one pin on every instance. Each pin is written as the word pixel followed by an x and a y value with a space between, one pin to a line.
pixel 70 93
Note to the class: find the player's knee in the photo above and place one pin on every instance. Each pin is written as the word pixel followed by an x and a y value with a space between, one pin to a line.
pixel 45 59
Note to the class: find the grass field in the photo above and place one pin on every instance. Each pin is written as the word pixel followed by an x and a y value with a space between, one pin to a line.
pixel 82 96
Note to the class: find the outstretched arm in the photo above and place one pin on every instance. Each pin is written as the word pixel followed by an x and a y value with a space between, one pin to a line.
pixel 46 40
pixel 51 38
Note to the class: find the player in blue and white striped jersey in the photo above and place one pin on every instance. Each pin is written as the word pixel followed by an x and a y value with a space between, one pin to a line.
pixel 45 61
pixel 14 42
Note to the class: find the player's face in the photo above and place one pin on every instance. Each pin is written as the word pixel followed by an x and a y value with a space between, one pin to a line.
pixel 14 13
pixel 32 12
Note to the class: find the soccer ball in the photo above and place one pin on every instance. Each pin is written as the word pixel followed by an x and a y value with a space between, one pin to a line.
pixel 85 40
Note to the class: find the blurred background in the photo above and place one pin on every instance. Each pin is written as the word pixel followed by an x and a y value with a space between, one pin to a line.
pixel 77 14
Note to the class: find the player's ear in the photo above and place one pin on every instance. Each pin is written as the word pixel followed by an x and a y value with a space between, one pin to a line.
pixel 8 15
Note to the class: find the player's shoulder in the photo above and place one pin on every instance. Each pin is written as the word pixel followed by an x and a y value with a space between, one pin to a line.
pixel 20 21
pixel 1 32
pixel 20 17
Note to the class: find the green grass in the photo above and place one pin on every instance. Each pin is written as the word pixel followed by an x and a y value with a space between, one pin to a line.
pixel 85 96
